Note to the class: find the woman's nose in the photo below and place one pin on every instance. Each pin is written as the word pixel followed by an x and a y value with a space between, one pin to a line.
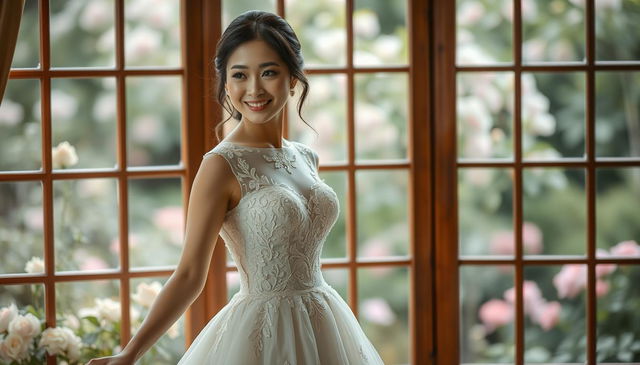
pixel 255 86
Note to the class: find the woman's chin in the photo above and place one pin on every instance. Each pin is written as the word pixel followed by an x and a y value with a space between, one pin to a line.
pixel 257 120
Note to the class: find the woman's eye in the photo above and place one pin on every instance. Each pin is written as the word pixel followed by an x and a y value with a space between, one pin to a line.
pixel 269 73
pixel 237 75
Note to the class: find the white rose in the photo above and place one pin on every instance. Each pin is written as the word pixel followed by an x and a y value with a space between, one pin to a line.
pixel 87 312
pixel 15 346
pixel 71 321
pixel 54 340
pixel 147 293
pixel 74 344
pixel 108 309
pixel 4 358
pixel 34 266
pixel 7 314
pixel 64 155
pixel 27 326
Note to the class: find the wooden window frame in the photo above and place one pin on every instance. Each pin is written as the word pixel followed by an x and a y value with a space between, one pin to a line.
pixel 200 23
pixel 194 139
pixel 447 260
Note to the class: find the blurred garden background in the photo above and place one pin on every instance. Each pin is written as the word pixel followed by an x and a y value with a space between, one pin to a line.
pixel 554 199
pixel 83 136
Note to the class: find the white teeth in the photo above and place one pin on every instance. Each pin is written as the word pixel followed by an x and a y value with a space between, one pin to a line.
pixel 257 105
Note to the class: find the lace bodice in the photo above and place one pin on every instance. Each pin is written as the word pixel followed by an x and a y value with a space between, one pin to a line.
pixel 276 232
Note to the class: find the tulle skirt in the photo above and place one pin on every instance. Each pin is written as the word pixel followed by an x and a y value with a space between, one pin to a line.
pixel 303 327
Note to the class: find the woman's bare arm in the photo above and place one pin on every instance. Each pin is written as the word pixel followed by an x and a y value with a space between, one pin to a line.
pixel 208 203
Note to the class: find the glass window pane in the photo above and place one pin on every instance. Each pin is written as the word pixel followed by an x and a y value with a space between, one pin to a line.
pixel 92 308
pixel 617 218
pixel 381 113
pixel 485 211
pixel 154 107
pixel 321 28
pixel 484 31
pixel 21 227
pixel 617 122
pixel 82 33
pixel 555 318
pixel 617 326
pixel 27 52
pixel 380 32
pixel 554 207
pixel 83 116
pixel 20 126
pixel 335 244
pixel 382 213
pixel 617 30
pixel 156 222
pixel 383 311
pixel 325 110
pixel 553 115
pixel 28 297
pixel 338 279
pixel 233 283
pixel 487 315
pixel 232 8
pixel 553 30
pixel 85 224
pixel 485 115
pixel 170 347
pixel 230 262
pixel 152 33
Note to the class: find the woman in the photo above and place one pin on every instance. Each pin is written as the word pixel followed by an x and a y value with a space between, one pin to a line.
pixel 263 195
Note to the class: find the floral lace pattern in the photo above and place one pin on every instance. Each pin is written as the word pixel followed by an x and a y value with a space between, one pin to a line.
pixel 275 235
pixel 282 161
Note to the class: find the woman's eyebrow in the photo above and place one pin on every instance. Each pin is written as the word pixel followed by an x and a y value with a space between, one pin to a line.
pixel 262 65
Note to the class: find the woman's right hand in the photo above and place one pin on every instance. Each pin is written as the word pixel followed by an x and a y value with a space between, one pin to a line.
pixel 120 359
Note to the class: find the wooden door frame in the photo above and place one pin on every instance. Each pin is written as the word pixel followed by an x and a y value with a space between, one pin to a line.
pixel 446 184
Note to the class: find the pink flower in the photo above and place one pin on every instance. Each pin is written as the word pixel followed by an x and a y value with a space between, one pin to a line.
pixel 626 248
pixel 532 296
pixel 93 263
pixel 114 246
pixel 604 269
pixel 547 315
pixel 602 288
pixel 377 310
pixel 495 313
pixel 171 219
pixel 502 243
pixel 570 280
pixel 377 247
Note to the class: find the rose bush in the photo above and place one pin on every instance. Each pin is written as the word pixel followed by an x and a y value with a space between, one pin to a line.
pixel 92 332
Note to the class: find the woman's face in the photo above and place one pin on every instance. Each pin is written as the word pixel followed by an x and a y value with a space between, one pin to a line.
pixel 258 82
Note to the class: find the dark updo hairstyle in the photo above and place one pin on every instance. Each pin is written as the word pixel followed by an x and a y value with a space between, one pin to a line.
pixel 276 32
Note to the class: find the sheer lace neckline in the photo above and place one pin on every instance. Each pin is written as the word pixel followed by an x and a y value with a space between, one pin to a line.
pixel 285 144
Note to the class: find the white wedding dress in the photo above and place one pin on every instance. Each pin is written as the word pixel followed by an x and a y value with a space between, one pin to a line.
pixel 285 312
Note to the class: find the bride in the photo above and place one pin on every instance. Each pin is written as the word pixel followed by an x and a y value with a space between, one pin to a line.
pixel 262 193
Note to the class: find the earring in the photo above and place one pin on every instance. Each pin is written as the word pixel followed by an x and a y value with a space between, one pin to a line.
pixel 291 92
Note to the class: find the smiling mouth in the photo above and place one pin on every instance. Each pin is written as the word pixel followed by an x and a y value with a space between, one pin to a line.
pixel 256 107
